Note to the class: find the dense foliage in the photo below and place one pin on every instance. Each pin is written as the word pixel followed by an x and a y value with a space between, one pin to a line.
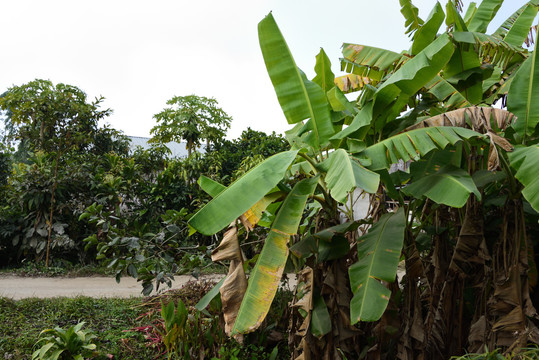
pixel 131 208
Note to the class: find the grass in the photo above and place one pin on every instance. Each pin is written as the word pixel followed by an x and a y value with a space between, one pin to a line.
pixel 110 319
pixel 121 324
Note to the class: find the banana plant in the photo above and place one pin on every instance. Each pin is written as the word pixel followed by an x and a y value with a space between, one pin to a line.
pixel 331 160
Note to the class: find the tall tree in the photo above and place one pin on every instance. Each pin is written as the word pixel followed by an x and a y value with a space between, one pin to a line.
pixel 54 119
pixel 193 119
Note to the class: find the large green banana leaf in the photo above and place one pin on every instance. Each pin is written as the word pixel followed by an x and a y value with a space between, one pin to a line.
pixel 251 217
pixel 324 76
pixel 344 174
pixel 269 268
pixel 525 161
pixel 428 31
pixel 378 253
pixel 211 187
pixel 516 28
pixel 242 194
pixel 413 144
pixel 484 15
pixel 411 15
pixel 299 98
pixel 413 75
pixel 523 97
pixel 404 83
pixel 450 185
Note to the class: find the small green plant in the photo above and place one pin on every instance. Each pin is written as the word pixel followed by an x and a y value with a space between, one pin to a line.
pixel 73 343
pixel 174 326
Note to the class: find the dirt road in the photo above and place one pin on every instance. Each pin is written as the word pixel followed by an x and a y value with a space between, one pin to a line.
pixel 17 287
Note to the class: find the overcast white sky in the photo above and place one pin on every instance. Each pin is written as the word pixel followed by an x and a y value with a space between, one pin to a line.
pixel 139 54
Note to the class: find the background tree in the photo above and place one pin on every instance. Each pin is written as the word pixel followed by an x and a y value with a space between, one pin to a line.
pixel 193 119
pixel 54 119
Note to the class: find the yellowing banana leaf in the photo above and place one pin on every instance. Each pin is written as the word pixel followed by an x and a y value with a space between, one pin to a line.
pixel 413 144
pixel 524 160
pixel 523 97
pixel 378 253
pixel 411 15
pixel 242 194
pixel 344 174
pixel 450 186
pixel 254 214
pixel 351 82
pixel 516 29
pixel 324 76
pixel 428 31
pixel 235 283
pixel 299 98
pixel 484 15
pixel 269 268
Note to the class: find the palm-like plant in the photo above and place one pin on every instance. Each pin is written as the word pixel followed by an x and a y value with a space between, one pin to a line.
pixel 410 109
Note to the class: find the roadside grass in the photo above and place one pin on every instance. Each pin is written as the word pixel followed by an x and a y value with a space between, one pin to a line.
pixel 121 325
pixel 110 319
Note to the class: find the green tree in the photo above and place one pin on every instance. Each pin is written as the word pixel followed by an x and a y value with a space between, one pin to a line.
pixel 191 118
pixel 418 107
pixel 54 119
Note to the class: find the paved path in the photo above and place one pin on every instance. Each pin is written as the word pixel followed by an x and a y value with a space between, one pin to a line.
pixel 17 287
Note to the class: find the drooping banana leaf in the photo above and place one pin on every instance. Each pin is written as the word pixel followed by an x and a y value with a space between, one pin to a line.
pixel 411 15
pixel 428 31
pixel 524 160
pixel 484 15
pixel 299 98
pixel 242 194
pixel 465 73
pixel 447 93
pixel 369 62
pixel 320 318
pixel 345 174
pixel 516 28
pixel 324 76
pixel 523 97
pixel 492 50
pixel 413 144
pixel 450 186
pixel 378 253
pixel 269 268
